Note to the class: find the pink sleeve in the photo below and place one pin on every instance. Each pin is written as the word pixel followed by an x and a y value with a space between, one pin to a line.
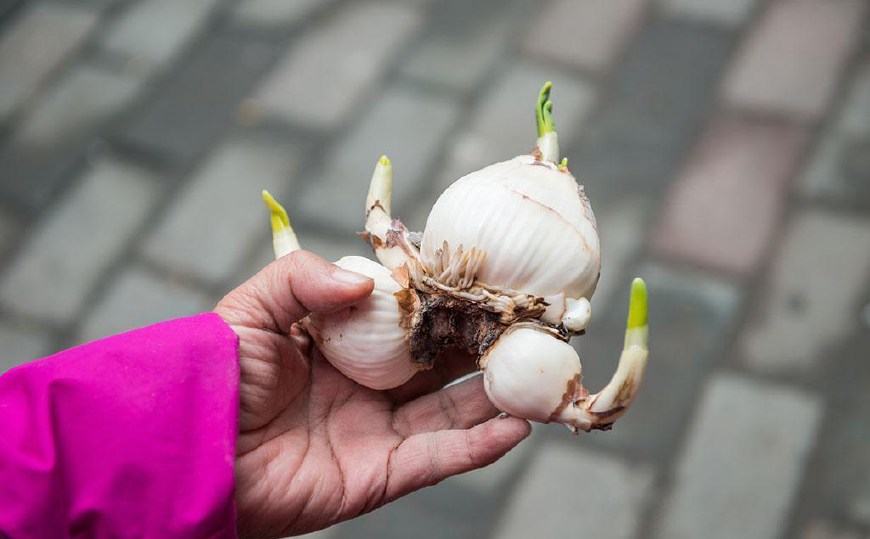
pixel 129 436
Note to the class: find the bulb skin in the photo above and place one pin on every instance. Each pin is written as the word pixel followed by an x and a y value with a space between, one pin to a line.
pixel 530 219
pixel 367 341
pixel 529 373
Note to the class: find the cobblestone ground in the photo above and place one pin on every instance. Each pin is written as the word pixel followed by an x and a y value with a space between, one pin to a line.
pixel 725 146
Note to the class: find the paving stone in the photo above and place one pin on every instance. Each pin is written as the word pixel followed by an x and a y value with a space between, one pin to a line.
pixel 41 39
pixel 839 482
pixel 584 33
pixel 813 294
pixel 153 32
pixel 708 218
pixel 779 70
pixel 58 131
pixel 67 253
pixel 7 6
pixel 691 317
pixel 331 248
pixel 621 227
pixel 550 500
pixel 444 510
pixel 219 213
pixel 742 465
pixel 329 533
pixel 855 116
pixel 494 479
pixel 406 125
pixel 503 124
pixel 21 344
pixel 637 139
pixel 839 171
pixel 821 529
pixel 269 13
pixel 8 229
pixel 136 298
pixel 731 13
pixel 465 40
pixel 182 120
pixel 323 76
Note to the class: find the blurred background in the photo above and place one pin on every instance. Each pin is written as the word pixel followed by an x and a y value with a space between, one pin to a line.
pixel 725 145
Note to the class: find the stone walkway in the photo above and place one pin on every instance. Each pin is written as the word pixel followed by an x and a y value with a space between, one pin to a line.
pixel 725 146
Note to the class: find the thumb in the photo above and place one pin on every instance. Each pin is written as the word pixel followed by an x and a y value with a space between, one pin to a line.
pixel 289 288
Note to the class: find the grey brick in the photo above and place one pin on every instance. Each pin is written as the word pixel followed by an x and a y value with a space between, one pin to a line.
pixel 329 533
pixel 7 6
pixel 495 478
pixel 820 529
pixel 621 226
pixel 742 465
pixel 137 298
pixel 503 123
pixel 588 34
pixel 7 231
pixel 69 250
pixel 690 324
pixel 268 13
pixel 58 131
pixel 198 102
pixel 407 126
pixel 812 293
pixel 854 118
pixel 21 344
pixel 464 41
pixel 574 492
pixel 731 13
pixel 40 40
pixel 641 133
pixel 839 171
pixel 445 510
pixel 331 248
pixel 153 32
pixel 219 213
pixel 323 76
pixel 839 481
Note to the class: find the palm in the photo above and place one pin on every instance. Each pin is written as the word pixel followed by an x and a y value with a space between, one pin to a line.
pixel 315 448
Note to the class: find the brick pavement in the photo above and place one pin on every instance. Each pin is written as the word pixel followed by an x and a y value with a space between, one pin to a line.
pixel 725 147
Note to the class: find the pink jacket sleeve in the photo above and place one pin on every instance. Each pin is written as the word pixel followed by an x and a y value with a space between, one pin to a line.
pixel 129 436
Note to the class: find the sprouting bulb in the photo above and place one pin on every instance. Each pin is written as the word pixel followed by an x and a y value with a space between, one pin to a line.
pixel 504 269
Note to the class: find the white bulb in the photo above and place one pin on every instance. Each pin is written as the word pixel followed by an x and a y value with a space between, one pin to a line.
pixel 366 341
pixel 529 373
pixel 532 221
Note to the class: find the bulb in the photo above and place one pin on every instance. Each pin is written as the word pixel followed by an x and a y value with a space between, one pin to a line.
pixel 368 341
pixel 531 222
pixel 504 269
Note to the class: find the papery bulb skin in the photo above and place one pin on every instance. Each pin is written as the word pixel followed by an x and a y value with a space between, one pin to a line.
pixel 531 220
pixel 530 373
pixel 366 341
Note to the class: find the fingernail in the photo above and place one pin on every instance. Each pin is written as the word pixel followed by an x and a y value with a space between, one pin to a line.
pixel 349 277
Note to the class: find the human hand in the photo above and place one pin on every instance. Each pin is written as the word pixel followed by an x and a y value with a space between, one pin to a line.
pixel 316 448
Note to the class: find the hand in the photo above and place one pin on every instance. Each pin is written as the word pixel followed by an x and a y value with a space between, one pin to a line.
pixel 314 447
